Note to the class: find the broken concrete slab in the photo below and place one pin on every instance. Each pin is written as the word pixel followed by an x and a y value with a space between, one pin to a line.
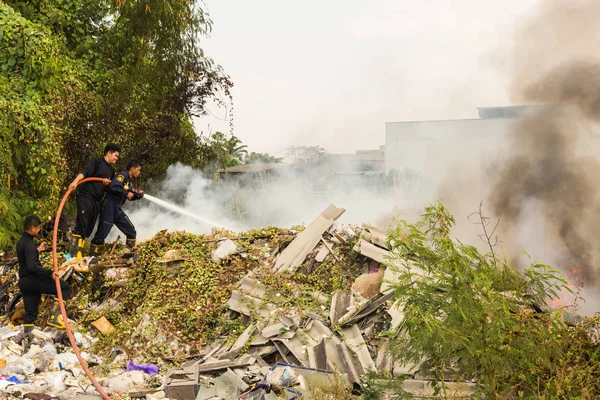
pixel 322 254
pixel 339 305
pixel 273 330
pixel 365 309
pixel 252 287
pixel 374 235
pixel 352 367
pixel 317 355
pixel 229 385
pixel 384 362
pixel 453 389
pixel 249 305
pixel 356 343
pixel 181 383
pixel 295 253
pixel 239 344
pixel 368 249
pixel 216 365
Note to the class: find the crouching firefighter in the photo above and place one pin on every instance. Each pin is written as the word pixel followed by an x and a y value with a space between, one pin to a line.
pixel 120 189
pixel 35 280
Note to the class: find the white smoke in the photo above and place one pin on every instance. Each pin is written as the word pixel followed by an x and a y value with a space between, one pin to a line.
pixel 286 200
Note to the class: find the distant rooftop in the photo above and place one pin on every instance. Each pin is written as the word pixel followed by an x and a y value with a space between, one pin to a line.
pixel 507 111
pixel 256 167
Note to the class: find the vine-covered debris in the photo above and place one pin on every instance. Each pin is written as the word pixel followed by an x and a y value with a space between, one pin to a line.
pixel 223 307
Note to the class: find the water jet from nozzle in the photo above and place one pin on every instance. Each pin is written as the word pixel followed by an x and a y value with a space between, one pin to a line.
pixel 178 209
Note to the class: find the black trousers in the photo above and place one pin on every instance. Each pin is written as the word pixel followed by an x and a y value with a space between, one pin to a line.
pixel 87 214
pixel 112 214
pixel 32 287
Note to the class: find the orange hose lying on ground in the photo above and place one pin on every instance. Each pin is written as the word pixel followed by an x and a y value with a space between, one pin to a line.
pixel 60 298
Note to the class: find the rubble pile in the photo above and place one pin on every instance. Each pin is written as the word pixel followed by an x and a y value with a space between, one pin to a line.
pixel 265 314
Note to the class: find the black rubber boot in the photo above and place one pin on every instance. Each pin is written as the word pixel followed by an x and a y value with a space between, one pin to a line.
pixel 76 246
pixel 130 244
pixel 26 337
pixel 55 319
pixel 96 250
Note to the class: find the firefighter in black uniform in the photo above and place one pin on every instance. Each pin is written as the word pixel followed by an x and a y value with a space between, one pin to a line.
pixel 35 280
pixel 119 190
pixel 91 194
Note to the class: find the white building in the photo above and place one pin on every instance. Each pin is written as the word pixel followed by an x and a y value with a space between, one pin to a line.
pixel 432 149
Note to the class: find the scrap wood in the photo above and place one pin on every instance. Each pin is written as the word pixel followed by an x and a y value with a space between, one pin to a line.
pixel 114 246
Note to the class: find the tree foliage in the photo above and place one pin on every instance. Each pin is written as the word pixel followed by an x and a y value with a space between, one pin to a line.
pixel 473 315
pixel 254 158
pixel 76 74
pixel 227 151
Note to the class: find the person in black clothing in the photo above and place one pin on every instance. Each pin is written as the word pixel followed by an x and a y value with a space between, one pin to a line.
pixel 91 194
pixel 35 280
pixel 120 189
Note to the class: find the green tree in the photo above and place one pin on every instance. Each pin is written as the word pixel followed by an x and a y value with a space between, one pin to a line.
pixel 473 315
pixel 76 74
pixel 227 151
pixel 254 158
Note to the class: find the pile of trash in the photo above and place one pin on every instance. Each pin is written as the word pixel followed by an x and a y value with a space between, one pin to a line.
pixel 266 314
pixel 49 366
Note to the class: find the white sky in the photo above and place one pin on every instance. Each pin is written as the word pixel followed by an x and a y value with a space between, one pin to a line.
pixel 332 72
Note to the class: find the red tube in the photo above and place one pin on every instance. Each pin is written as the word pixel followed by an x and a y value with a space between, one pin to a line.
pixel 60 298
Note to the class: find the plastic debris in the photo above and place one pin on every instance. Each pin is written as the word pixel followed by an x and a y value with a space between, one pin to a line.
pixel 150 369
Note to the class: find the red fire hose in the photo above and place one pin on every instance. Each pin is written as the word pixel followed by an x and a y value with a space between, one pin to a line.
pixel 60 298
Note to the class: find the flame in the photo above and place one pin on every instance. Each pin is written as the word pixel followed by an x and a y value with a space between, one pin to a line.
pixel 566 298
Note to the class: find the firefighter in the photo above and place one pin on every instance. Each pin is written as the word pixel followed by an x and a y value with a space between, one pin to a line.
pixel 35 280
pixel 91 195
pixel 120 189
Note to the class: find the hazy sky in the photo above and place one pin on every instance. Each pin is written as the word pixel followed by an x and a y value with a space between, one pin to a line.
pixel 332 72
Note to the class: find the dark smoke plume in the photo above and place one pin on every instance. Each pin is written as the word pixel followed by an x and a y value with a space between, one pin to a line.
pixel 554 164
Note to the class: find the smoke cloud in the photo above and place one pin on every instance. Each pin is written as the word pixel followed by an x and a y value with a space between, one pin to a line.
pixel 284 199
pixel 547 193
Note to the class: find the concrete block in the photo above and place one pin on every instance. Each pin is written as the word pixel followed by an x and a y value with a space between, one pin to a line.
pixel 182 383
